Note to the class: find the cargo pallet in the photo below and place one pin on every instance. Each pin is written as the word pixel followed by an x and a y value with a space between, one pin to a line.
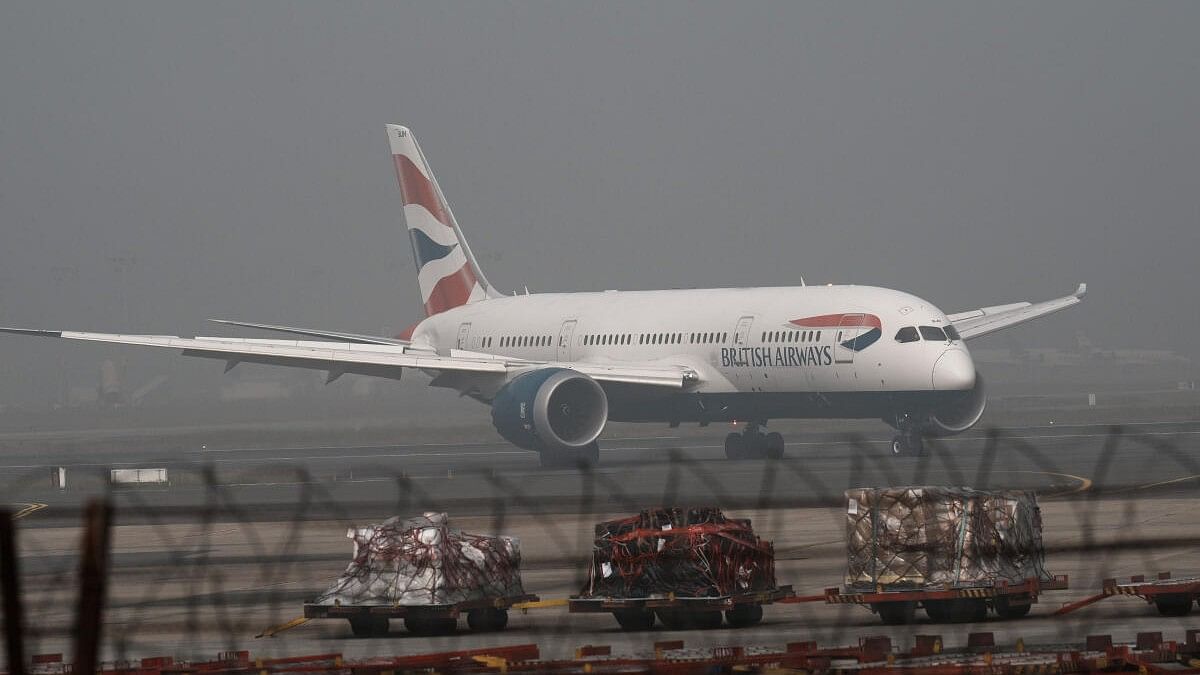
pixel 485 615
pixel 679 613
pixel 1171 596
pixel 949 604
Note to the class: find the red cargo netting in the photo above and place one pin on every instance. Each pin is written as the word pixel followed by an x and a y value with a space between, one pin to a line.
pixel 688 552
pixel 422 561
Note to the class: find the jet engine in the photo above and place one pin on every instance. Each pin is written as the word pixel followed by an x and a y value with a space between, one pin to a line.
pixel 552 409
pixel 959 413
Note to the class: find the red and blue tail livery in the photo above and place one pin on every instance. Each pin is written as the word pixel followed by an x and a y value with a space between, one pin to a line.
pixel 447 273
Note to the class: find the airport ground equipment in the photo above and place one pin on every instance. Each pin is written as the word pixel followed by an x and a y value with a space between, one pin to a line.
pixel 1171 596
pixel 950 604
pixel 954 552
pixel 681 613
pixel 425 571
pixel 685 567
pixel 483 615
pixel 873 655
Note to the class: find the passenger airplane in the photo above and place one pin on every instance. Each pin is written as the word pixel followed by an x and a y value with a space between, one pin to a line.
pixel 555 367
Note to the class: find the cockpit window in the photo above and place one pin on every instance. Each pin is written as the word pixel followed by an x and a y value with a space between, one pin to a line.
pixel 933 333
pixel 952 333
pixel 907 334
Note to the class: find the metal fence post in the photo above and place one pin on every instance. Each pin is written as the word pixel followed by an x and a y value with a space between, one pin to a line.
pixel 93 581
pixel 10 585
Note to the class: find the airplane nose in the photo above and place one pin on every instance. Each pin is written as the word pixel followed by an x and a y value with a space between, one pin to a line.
pixel 953 370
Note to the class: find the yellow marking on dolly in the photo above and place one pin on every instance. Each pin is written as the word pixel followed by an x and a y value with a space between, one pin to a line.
pixel 540 604
pixel 492 662
pixel 276 630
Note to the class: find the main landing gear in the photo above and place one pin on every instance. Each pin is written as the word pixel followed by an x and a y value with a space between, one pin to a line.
pixel 754 443
pixel 587 456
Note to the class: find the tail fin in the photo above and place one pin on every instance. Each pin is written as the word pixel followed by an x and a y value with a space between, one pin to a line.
pixel 447 272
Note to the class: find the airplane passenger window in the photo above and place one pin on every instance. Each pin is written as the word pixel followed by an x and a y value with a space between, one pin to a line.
pixel 933 333
pixel 952 333
pixel 907 334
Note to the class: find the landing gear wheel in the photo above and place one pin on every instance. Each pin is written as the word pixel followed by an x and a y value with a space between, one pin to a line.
pixel 896 613
pixel 1007 608
pixel 487 619
pixel 589 455
pixel 1173 605
pixel 585 457
pixel 369 626
pixel 634 619
pixel 735 447
pixel 908 445
pixel 746 614
pixel 773 445
pixel 753 444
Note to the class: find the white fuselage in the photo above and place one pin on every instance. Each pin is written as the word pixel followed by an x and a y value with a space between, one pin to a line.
pixel 742 341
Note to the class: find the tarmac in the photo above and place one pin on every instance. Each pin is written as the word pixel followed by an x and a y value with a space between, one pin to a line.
pixel 246 531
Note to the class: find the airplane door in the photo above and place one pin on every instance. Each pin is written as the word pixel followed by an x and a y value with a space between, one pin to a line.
pixel 848 329
pixel 564 340
pixel 741 335
pixel 464 332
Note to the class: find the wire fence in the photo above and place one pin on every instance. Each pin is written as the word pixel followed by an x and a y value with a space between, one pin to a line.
pixel 207 563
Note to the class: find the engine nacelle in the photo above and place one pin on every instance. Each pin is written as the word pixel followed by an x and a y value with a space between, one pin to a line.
pixel 960 413
pixel 552 409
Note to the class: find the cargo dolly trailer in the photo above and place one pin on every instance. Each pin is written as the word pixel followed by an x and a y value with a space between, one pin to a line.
pixel 950 604
pixel 1170 596
pixel 485 615
pixel 680 613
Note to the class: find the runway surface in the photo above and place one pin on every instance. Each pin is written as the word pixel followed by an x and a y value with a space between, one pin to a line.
pixel 352 481
pixel 246 532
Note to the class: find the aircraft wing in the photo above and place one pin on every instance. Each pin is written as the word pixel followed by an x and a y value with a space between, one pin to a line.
pixel 312 332
pixel 986 320
pixel 377 360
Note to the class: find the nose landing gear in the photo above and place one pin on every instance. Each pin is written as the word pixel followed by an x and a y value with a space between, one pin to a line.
pixel 908 442
pixel 754 443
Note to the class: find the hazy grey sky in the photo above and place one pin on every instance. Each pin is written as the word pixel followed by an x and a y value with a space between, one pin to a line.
pixel 234 154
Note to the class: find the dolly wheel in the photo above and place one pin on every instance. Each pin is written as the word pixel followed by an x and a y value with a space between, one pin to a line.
pixel 683 619
pixel 1173 605
pixel 1009 609
pixel 706 619
pixel 956 610
pixel 897 613
pixel 420 625
pixel 368 626
pixel 746 614
pixel 487 619
pixel 634 619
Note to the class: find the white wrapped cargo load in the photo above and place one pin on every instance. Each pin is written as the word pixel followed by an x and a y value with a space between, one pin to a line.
pixel 424 561
pixel 937 536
